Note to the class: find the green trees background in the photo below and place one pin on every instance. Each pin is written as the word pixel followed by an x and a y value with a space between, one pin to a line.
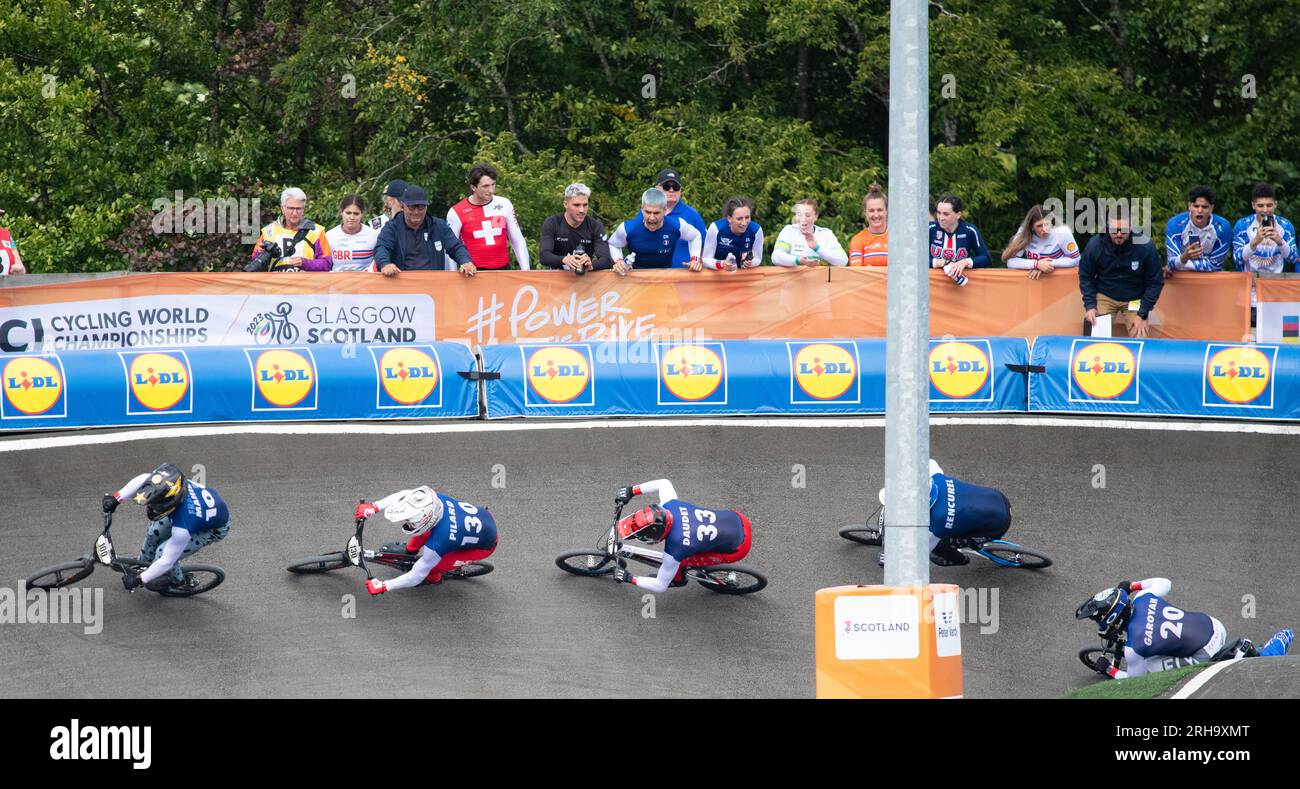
pixel 107 106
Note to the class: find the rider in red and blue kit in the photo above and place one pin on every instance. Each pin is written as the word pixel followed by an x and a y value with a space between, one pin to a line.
pixel 693 536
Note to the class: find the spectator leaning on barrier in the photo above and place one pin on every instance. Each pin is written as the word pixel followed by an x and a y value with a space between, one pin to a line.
pixel 572 239
pixel 484 222
pixel 870 247
pixel 10 261
pixel 669 181
pixel 352 242
pixel 392 203
pixel 294 243
pixel 734 241
pixel 954 240
pixel 1197 239
pixel 1264 241
pixel 1041 245
pixel 1120 272
pixel 651 237
pixel 804 243
pixel 419 242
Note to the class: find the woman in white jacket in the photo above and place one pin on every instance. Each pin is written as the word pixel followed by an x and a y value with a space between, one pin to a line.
pixel 803 243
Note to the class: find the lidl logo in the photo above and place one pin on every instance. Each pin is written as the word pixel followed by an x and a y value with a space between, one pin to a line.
pixel 284 380
pixel 961 370
pixel 157 381
pixel 824 372
pixel 34 386
pixel 409 377
pixel 558 375
pixel 1105 371
pixel 692 374
pixel 1239 375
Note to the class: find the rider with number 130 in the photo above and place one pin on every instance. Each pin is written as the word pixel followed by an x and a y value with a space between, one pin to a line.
pixel 444 530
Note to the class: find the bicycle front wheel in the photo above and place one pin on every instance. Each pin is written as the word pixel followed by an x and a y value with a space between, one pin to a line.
pixel 728 578
pixel 1008 554
pixel 589 563
pixel 320 564
pixel 61 575
pixel 860 534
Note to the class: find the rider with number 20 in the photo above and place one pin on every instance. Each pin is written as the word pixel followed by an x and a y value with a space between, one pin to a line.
pixel 693 536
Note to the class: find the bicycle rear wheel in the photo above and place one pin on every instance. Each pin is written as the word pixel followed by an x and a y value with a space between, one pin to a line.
pixel 471 570
pixel 320 564
pixel 589 563
pixel 1008 554
pixel 860 534
pixel 728 578
pixel 61 575
pixel 199 578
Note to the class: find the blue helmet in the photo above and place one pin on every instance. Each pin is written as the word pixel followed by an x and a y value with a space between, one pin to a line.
pixel 1109 609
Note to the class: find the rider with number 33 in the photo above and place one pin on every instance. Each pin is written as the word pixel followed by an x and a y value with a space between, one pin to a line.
pixel 444 530
pixel 693 536
pixel 185 516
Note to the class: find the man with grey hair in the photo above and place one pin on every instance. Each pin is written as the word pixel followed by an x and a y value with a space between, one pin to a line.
pixel 651 238
pixel 291 243
pixel 572 240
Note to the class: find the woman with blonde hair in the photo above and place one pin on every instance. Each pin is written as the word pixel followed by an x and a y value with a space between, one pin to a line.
pixel 870 247
pixel 1040 245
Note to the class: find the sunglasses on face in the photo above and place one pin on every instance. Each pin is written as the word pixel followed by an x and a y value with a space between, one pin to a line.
pixel 670 186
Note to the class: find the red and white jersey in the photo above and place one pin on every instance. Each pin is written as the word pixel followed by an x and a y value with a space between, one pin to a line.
pixel 485 230
pixel 353 252
pixel 8 252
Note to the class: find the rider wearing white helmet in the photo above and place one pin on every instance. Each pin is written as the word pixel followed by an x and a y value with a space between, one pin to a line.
pixel 447 532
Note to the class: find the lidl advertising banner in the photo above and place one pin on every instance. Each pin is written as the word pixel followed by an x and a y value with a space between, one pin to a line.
pixel 177 385
pixel 742 377
pixel 1166 378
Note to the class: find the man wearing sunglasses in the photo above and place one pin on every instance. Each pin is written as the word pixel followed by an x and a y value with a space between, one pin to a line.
pixel 669 181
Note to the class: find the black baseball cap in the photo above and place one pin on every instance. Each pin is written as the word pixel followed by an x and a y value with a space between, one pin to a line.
pixel 395 188
pixel 414 196
pixel 667 174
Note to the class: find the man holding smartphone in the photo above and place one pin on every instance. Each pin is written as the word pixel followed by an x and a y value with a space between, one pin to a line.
pixel 1197 239
pixel 1264 241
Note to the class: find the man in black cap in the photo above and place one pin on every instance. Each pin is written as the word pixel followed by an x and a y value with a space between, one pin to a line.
pixel 392 203
pixel 669 181
pixel 415 241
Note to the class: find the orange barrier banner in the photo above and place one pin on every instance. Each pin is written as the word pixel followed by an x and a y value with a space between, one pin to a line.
pixel 159 310
pixel 1005 303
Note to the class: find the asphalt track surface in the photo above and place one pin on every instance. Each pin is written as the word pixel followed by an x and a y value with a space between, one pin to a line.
pixel 1212 511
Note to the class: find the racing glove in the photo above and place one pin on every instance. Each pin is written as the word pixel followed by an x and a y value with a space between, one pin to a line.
pixel 375 586
pixel 624 495
pixel 364 510
pixel 623 575
pixel 109 502
pixel 130 580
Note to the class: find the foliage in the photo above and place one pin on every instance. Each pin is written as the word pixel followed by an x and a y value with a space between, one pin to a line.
pixel 106 107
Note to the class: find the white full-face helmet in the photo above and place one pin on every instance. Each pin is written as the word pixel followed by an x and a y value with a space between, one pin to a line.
pixel 416 511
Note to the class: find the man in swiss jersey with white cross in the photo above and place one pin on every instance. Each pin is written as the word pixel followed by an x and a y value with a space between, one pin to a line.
pixel 486 223
pixel 693 536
